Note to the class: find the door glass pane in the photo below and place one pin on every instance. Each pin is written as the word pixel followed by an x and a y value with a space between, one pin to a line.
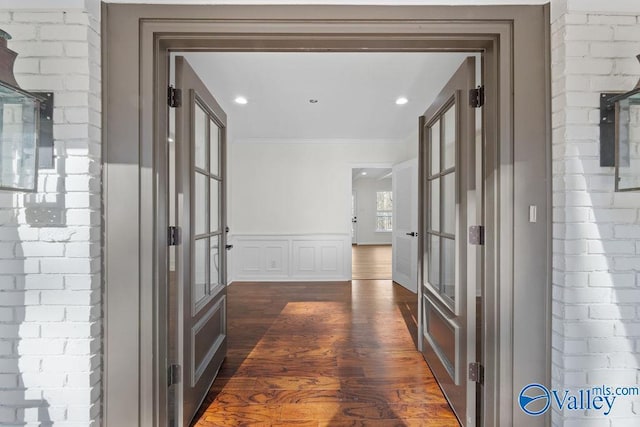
pixel 434 261
pixel 449 203
pixel 200 274
pixel 200 133
pixel 449 157
pixel 214 147
pixel 214 222
pixel 434 147
pixel 434 209
pixel 448 267
pixel 201 198
pixel 214 261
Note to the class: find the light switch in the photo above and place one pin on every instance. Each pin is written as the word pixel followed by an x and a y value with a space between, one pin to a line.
pixel 533 213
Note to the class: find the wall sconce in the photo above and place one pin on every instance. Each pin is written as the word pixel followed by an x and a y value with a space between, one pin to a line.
pixel 620 136
pixel 19 127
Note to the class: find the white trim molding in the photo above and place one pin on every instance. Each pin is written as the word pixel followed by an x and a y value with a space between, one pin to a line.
pixel 290 257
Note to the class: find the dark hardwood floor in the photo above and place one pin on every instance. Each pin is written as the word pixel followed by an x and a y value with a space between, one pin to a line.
pixel 323 354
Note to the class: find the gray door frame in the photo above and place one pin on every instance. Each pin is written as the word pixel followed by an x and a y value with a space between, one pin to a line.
pixel 137 41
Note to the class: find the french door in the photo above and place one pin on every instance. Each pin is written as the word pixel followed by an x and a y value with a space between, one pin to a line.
pixel 200 293
pixel 448 260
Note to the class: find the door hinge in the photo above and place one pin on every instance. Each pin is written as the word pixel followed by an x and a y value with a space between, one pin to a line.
pixel 174 97
pixel 476 372
pixel 173 236
pixel 476 234
pixel 476 97
pixel 173 374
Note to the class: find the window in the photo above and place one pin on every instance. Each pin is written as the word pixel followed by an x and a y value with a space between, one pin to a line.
pixel 384 207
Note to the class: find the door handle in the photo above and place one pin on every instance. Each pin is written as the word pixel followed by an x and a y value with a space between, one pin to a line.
pixel 228 247
pixel 412 234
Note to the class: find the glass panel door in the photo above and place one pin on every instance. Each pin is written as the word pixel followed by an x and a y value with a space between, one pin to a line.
pixel 448 278
pixel 200 256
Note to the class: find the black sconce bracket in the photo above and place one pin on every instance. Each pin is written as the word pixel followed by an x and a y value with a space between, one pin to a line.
pixel 608 129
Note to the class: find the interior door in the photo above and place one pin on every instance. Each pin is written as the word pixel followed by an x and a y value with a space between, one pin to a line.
pixel 404 185
pixel 201 255
pixel 448 260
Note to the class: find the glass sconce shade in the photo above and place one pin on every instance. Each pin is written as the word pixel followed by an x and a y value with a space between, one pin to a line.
pixel 19 129
pixel 628 142
pixel 620 136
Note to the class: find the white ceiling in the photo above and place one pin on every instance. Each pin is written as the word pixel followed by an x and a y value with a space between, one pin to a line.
pixel 356 92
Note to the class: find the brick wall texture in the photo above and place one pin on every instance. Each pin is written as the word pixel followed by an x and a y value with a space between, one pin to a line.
pixel 50 313
pixel 596 234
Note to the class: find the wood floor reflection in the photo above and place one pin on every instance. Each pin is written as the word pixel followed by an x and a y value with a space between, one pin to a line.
pixel 323 354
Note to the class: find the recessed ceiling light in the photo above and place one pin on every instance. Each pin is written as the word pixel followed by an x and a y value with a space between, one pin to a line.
pixel 313 101
pixel 241 100
pixel 401 101
pixel 363 173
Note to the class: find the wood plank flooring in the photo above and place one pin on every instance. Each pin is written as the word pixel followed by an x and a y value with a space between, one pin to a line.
pixel 323 354
pixel 371 262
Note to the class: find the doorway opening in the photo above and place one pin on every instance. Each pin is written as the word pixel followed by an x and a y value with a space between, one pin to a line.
pixel 372 223
pixel 285 157
pixel 136 154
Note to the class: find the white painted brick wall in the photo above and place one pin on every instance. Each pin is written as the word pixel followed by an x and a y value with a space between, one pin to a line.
pixel 50 312
pixel 596 285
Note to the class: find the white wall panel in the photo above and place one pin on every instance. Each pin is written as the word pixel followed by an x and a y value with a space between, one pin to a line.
pixel 276 257
pixel 329 258
pixel 250 257
pixel 316 257
pixel 304 257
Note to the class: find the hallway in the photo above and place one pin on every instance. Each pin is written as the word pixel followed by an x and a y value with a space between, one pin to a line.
pixel 371 262
pixel 323 354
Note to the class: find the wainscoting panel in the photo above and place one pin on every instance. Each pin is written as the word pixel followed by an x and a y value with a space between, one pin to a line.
pixel 304 257
pixel 314 257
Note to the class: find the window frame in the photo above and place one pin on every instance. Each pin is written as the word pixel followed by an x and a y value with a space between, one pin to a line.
pixel 384 212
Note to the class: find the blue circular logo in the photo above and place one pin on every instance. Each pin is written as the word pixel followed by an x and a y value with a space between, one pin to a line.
pixel 534 399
